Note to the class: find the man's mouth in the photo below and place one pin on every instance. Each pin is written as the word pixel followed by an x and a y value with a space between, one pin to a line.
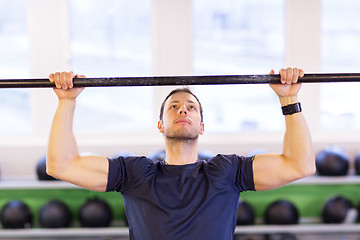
pixel 182 120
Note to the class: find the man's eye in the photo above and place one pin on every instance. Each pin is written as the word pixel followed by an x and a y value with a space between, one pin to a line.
pixel 192 107
pixel 173 106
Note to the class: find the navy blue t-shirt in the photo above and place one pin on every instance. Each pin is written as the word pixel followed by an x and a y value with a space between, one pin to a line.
pixel 193 201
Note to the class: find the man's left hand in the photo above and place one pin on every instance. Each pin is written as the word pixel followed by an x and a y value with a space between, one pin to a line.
pixel 289 78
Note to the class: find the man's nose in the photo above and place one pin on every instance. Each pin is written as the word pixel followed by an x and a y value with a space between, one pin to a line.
pixel 182 110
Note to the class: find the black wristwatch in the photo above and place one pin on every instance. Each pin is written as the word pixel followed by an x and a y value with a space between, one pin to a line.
pixel 291 108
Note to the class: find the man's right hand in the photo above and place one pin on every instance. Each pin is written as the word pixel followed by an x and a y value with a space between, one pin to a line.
pixel 64 84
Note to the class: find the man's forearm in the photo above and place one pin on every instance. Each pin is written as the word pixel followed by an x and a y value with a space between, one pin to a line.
pixel 62 144
pixel 298 147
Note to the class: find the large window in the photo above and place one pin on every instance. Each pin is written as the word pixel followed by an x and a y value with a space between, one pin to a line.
pixel 14 103
pixel 340 53
pixel 237 37
pixel 112 38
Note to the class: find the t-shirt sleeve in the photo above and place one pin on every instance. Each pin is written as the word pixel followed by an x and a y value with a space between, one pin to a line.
pixel 237 169
pixel 244 174
pixel 125 170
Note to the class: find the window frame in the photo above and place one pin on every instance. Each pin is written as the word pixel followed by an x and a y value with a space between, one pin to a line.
pixel 169 29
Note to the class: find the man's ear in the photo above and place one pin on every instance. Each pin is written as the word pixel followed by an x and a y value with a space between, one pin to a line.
pixel 202 128
pixel 160 126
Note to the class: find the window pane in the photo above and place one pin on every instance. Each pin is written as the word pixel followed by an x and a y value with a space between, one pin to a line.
pixel 112 38
pixel 236 37
pixel 340 53
pixel 14 103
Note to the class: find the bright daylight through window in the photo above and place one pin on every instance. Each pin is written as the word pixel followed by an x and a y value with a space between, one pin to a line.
pixel 236 37
pixel 112 38
pixel 14 103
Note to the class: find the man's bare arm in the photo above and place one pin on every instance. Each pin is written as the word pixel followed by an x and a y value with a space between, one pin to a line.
pixel 63 159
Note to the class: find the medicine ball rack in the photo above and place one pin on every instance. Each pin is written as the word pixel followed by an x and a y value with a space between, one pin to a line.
pixel 121 232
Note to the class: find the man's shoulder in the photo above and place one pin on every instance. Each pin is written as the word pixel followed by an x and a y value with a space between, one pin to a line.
pixel 132 162
pixel 224 157
pixel 232 160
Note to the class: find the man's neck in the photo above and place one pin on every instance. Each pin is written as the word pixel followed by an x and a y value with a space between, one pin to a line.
pixel 181 152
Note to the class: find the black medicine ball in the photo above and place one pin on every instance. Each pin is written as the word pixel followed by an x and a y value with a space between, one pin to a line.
pixel 281 212
pixel 205 155
pixel 332 161
pixel 125 218
pixel 256 152
pixel 16 214
pixel 157 155
pixel 55 214
pixel 95 213
pixel 335 210
pixel 357 163
pixel 124 154
pixel 246 215
pixel 41 170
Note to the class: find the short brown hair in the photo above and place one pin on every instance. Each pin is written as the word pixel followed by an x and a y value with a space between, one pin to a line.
pixel 186 90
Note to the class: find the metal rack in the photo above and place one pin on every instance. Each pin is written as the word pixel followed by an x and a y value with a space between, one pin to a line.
pixel 121 233
pixel 35 184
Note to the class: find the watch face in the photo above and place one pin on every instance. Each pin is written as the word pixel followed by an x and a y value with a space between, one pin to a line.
pixel 291 108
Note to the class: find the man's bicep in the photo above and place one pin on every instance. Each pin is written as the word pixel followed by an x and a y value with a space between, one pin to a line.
pixel 271 171
pixel 90 172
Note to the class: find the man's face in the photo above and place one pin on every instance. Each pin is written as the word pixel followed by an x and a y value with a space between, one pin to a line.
pixel 181 118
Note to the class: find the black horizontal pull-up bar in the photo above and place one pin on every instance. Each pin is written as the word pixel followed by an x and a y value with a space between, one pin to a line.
pixel 180 80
